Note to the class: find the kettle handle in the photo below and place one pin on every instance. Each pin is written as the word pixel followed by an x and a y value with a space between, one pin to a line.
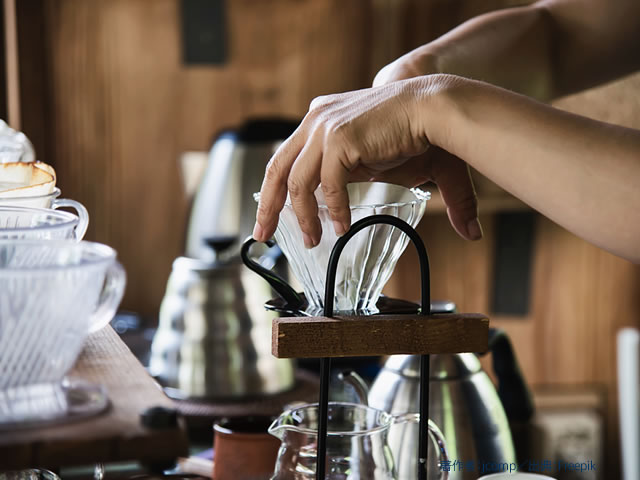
pixel 512 389
pixel 294 299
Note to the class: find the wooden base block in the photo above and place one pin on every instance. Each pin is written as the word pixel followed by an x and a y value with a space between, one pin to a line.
pixel 316 337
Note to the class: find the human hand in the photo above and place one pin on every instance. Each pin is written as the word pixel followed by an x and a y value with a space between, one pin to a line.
pixel 355 136
pixel 449 172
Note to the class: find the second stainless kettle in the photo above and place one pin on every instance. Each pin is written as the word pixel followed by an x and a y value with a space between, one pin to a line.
pixel 472 415
pixel 223 205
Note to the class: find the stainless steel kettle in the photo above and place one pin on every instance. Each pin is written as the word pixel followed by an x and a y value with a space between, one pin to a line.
pixel 213 335
pixel 463 402
pixel 223 205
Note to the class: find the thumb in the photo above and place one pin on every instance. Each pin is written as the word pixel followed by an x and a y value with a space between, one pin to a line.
pixel 453 178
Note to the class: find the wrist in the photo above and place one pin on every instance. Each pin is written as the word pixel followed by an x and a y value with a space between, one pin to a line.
pixel 435 108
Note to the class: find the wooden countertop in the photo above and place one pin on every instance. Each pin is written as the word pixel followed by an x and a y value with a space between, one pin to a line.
pixel 115 435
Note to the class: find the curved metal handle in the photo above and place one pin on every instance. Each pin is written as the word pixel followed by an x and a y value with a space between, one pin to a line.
pixel 281 287
pixel 362 224
pixel 512 388
pixel 83 214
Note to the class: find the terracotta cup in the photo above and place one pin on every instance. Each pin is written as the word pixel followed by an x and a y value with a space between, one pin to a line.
pixel 243 450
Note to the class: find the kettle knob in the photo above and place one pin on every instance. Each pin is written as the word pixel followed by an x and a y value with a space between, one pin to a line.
pixel 220 243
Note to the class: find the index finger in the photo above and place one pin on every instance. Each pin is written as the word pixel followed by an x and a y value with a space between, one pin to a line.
pixel 273 192
pixel 334 177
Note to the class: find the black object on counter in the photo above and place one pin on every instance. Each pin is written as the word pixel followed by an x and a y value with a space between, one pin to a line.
pixel 158 418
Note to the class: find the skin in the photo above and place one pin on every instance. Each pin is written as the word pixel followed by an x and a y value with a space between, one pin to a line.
pixel 577 171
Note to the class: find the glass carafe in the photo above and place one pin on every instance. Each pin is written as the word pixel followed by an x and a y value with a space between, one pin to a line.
pixel 356 443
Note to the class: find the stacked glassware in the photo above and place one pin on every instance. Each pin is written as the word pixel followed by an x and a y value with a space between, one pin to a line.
pixel 55 289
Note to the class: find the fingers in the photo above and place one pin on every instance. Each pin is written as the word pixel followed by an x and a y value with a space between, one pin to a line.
pixel 454 181
pixel 303 181
pixel 335 176
pixel 297 168
pixel 273 192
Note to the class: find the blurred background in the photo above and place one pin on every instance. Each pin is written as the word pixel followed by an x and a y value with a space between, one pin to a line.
pixel 112 93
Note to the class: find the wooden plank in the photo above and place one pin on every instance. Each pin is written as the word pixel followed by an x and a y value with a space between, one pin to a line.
pixel 115 435
pixel 12 69
pixel 313 337
pixel 31 72
pixel 3 66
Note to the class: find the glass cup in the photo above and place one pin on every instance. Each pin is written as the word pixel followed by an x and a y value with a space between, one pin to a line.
pixel 356 443
pixel 50 200
pixel 52 296
pixel 40 223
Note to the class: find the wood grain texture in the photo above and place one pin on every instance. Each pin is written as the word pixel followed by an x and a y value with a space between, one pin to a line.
pixel 32 61
pixel 3 66
pixel 115 435
pixel 122 106
pixel 315 337
pixel 11 59
pixel 581 296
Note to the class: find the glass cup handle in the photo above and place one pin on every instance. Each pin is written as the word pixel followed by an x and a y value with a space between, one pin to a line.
pixel 83 214
pixel 434 431
pixel 110 297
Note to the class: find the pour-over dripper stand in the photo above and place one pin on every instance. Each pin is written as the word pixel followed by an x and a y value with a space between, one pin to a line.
pixel 332 336
pixel 41 405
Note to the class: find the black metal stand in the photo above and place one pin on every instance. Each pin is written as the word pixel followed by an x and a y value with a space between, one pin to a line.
pixel 325 366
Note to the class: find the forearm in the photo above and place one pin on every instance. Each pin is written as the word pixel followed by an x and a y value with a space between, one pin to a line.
pixel 544 50
pixel 583 174
pixel 509 48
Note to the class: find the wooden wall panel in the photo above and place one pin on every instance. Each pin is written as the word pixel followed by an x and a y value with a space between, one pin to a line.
pixel 123 106
pixel 120 108
pixel 120 105
pixel 581 296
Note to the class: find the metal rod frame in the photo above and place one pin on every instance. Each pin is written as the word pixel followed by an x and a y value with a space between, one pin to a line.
pixel 325 364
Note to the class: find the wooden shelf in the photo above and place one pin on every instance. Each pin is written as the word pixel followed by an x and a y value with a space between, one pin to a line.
pixel 113 436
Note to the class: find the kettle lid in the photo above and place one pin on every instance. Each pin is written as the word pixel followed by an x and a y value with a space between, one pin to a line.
pixel 442 366
pixel 261 130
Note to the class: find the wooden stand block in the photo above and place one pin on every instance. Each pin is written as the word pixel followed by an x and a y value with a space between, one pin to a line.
pixel 317 337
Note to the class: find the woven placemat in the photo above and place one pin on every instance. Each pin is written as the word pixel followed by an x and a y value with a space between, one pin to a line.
pixel 201 413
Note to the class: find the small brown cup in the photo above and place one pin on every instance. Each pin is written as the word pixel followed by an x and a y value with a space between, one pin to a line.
pixel 243 450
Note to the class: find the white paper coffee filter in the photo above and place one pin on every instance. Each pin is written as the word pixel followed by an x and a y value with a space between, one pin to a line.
pixel 368 259
pixel 18 179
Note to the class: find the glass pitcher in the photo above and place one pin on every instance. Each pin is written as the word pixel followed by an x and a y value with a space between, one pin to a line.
pixel 356 443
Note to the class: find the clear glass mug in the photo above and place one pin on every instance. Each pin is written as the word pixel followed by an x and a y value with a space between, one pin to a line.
pixel 40 223
pixel 356 443
pixel 53 294
pixel 50 201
